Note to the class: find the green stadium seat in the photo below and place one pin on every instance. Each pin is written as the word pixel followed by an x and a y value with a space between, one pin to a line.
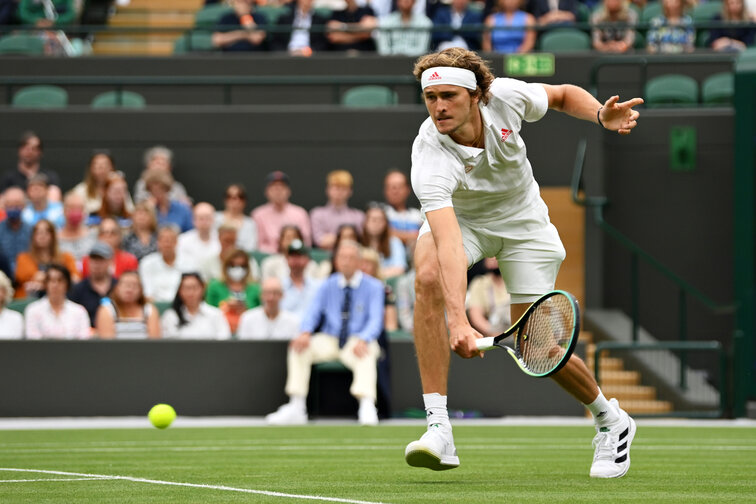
pixel 24 44
pixel 671 90
pixel 583 14
pixel 194 41
pixel 208 16
pixel 272 12
pixel 369 97
pixel 565 40
pixel 706 11
pixel 20 305
pixel 640 41
pixel 258 256
pixel 320 255
pixel 718 89
pixel 40 96
pixel 116 99
pixel 650 11
pixel 746 60
pixel 162 306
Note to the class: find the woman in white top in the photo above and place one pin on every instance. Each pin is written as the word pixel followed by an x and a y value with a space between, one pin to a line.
pixel 92 188
pixel 190 317
pixel 127 314
pixel 54 316
pixel 11 322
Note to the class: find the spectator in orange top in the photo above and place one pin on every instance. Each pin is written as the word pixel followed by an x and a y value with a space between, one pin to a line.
pixel 43 251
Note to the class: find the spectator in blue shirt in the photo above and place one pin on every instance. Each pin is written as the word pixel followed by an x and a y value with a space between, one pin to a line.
pixel 15 234
pixel 348 310
pixel 167 210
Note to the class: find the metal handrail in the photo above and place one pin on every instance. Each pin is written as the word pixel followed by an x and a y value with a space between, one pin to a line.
pixel 597 204
pixel 683 347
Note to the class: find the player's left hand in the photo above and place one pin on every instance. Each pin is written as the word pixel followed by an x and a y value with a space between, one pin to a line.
pixel 620 117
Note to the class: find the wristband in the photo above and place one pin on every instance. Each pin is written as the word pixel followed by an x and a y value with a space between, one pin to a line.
pixel 598 116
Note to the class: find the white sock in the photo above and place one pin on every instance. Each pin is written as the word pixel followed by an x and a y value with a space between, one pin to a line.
pixel 299 402
pixel 364 401
pixel 435 408
pixel 603 412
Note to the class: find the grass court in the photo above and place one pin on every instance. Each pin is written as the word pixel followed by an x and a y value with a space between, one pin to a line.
pixel 353 464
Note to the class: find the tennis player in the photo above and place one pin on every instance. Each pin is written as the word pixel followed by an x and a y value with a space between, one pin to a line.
pixel 471 173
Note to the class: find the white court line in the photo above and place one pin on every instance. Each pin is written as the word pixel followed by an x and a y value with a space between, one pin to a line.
pixel 192 485
pixel 48 479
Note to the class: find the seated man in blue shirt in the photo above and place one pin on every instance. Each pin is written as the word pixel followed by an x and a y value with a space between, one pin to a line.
pixel 350 305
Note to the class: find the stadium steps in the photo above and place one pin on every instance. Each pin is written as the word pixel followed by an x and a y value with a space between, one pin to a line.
pixel 146 14
pixel 624 385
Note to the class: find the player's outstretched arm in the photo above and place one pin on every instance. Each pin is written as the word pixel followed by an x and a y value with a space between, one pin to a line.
pixel 577 102
pixel 453 270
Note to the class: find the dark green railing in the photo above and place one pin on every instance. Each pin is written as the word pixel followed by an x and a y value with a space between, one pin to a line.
pixel 683 348
pixel 685 290
pixel 226 82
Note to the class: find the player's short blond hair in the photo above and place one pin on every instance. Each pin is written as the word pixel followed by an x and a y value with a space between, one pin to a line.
pixel 340 178
pixel 459 58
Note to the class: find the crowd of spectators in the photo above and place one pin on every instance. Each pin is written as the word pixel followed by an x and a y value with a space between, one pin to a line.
pixel 414 27
pixel 162 265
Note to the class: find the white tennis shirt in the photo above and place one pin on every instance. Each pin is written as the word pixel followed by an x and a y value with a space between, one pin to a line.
pixel 487 187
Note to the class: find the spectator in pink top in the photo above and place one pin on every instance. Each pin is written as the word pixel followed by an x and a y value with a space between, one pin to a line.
pixel 327 219
pixel 277 213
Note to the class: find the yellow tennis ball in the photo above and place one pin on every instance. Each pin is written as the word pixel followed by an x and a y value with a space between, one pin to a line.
pixel 162 415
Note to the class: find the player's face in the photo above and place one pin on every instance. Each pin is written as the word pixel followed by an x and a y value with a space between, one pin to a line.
pixel 450 107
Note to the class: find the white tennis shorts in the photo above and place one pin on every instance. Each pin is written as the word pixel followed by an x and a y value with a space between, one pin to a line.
pixel 529 254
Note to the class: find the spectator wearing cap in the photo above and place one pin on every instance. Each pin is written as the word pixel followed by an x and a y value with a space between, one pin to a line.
pixel 29 164
pixel 299 287
pixel 234 202
pixel 161 271
pixel 167 209
pixel 11 322
pixel 98 284
pixel 278 212
pixel 276 265
pixel 269 321
pixel 159 159
pixel 15 234
pixel 327 219
pixel 54 316
pixel 198 245
pixel 39 206
pixel 110 232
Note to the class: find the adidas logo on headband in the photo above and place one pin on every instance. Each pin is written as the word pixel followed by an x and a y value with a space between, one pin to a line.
pixel 435 76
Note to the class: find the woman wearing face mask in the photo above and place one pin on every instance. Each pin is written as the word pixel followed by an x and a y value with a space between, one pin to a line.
pixel 74 237
pixel 236 291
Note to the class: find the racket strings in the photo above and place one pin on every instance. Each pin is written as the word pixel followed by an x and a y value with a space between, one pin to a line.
pixel 546 334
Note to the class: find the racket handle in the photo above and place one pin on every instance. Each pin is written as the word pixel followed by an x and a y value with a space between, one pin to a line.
pixel 485 343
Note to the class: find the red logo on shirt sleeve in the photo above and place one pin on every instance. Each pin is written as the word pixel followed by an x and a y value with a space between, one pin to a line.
pixel 505 134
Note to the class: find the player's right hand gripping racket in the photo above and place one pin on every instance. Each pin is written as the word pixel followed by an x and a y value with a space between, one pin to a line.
pixel 544 337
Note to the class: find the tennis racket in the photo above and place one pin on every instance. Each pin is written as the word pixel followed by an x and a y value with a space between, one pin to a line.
pixel 544 337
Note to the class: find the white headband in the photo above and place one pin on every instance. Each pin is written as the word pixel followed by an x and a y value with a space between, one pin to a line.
pixel 449 75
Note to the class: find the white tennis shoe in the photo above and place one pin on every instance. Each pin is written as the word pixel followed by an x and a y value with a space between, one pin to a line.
pixel 434 450
pixel 288 414
pixel 367 414
pixel 612 443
